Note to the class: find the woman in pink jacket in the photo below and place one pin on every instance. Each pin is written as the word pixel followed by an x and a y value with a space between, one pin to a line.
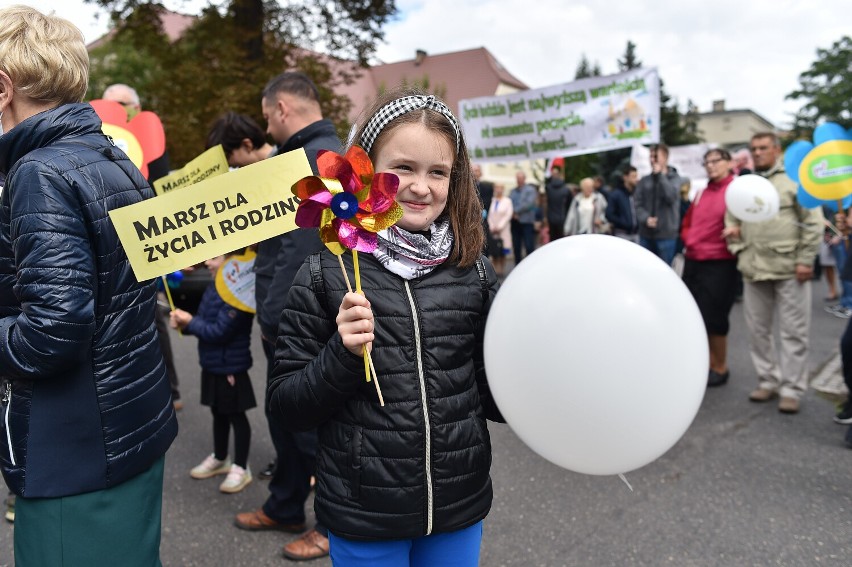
pixel 710 270
pixel 499 216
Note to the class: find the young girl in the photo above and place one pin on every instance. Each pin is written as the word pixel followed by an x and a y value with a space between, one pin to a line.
pixel 224 337
pixel 407 483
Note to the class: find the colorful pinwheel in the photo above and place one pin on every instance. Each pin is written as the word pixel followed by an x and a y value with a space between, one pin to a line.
pixel 349 203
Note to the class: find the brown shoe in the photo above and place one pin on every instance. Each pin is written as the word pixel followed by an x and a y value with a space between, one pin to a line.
pixel 788 405
pixel 312 545
pixel 257 520
pixel 178 405
pixel 761 395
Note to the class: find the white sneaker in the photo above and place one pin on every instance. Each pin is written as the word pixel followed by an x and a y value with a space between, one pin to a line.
pixel 211 466
pixel 236 480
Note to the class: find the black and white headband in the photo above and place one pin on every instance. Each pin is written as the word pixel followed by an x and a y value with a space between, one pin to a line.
pixel 397 108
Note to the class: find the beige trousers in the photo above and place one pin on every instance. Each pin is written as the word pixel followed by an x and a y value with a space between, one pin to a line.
pixel 793 302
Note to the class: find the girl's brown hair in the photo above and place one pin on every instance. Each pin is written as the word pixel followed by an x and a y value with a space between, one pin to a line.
pixel 464 208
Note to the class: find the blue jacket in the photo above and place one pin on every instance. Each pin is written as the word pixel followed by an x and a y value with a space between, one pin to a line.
pixel 619 211
pixel 87 400
pixel 224 334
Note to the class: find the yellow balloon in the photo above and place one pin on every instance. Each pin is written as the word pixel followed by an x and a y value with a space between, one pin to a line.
pixel 126 141
pixel 826 172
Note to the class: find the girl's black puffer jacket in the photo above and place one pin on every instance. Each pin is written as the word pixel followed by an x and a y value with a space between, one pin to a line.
pixel 420 464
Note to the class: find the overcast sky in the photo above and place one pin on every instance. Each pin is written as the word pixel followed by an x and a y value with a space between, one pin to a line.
pixel 748 52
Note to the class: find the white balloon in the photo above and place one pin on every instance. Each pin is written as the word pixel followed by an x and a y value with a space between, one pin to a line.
pixel 596 354
pixel 752 198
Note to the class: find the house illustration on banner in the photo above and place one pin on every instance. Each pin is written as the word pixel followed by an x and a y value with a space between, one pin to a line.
pixel 629 121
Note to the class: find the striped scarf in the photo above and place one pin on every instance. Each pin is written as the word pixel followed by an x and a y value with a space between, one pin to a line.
pixel 410 255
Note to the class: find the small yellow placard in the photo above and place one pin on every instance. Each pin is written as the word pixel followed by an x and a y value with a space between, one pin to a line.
pixel 209 164
pixel 212 217
pixel 235 282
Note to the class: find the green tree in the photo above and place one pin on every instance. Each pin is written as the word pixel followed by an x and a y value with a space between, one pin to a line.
pixel 673 126
pixel 225 58
pixel 825 89
pixel 586 69
pixel 629 60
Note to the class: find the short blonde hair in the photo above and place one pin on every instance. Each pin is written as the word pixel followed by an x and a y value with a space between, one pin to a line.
pixel 44 55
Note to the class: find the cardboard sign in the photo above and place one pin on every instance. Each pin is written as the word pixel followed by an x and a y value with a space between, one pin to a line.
pixel 142 138
pixel 212 217
pixel 235 282
pixel 209 164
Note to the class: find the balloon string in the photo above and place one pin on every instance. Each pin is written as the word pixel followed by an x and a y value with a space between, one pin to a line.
pixel 368 357
pixel 624 478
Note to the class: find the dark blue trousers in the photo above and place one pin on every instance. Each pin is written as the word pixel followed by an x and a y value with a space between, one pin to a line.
pixel 290 486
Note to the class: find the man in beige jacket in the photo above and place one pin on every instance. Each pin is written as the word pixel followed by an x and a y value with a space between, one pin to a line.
pixel 776 260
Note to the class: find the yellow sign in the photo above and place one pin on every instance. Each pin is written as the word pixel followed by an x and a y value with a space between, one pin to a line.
pixel 209 164
pixel 235 282
pixel 212 217
pixel 125 141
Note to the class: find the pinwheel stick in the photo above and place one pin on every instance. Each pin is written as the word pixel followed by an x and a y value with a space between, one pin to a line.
pixel 169 297
pixel 368 360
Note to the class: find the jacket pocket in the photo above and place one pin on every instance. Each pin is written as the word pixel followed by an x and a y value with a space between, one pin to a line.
pixel 355 463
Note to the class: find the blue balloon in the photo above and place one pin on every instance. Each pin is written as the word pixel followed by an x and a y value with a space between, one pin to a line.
pixel 832 205
pixel 793 157
pixel 827 132
pixel 809 201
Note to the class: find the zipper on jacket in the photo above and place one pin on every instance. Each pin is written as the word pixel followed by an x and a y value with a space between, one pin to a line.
pixel 7 401
pixel 418 347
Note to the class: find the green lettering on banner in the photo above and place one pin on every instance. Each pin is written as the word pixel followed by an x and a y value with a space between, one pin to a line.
pixel 618 88
pixel 512 130
pixel 508 151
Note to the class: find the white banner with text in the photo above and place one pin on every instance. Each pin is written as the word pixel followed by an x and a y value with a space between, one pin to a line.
pixel 591 115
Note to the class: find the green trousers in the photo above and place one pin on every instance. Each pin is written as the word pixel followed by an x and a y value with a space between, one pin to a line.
pixel 111 527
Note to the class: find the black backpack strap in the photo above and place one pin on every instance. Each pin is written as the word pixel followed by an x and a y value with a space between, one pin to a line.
pixel 317 282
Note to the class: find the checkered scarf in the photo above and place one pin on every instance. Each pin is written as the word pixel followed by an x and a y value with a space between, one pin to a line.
pixel 411 255
pixel 402 106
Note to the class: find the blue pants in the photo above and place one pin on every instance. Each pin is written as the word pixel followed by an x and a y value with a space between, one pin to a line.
pixel 523 235
pixel 455 549
pixel 662 247
pixel 840 255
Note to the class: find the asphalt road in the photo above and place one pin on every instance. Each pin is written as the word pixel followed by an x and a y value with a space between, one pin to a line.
pixel 746 486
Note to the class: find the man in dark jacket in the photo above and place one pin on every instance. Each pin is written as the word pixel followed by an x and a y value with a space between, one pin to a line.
pixel 294 119
pixel 657 201
pixel 87 410
pixel 558 200
pixel 621 209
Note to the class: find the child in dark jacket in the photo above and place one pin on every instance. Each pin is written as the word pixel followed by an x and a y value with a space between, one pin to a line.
pixel 224 338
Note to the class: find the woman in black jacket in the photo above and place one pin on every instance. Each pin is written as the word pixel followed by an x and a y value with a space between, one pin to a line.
pixel 407 482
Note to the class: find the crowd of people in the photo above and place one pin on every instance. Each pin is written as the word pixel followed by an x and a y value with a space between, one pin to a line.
pixel 768 265
pixel 402 481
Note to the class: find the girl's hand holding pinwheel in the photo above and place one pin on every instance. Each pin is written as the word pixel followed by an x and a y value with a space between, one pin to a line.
pixel 349 203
